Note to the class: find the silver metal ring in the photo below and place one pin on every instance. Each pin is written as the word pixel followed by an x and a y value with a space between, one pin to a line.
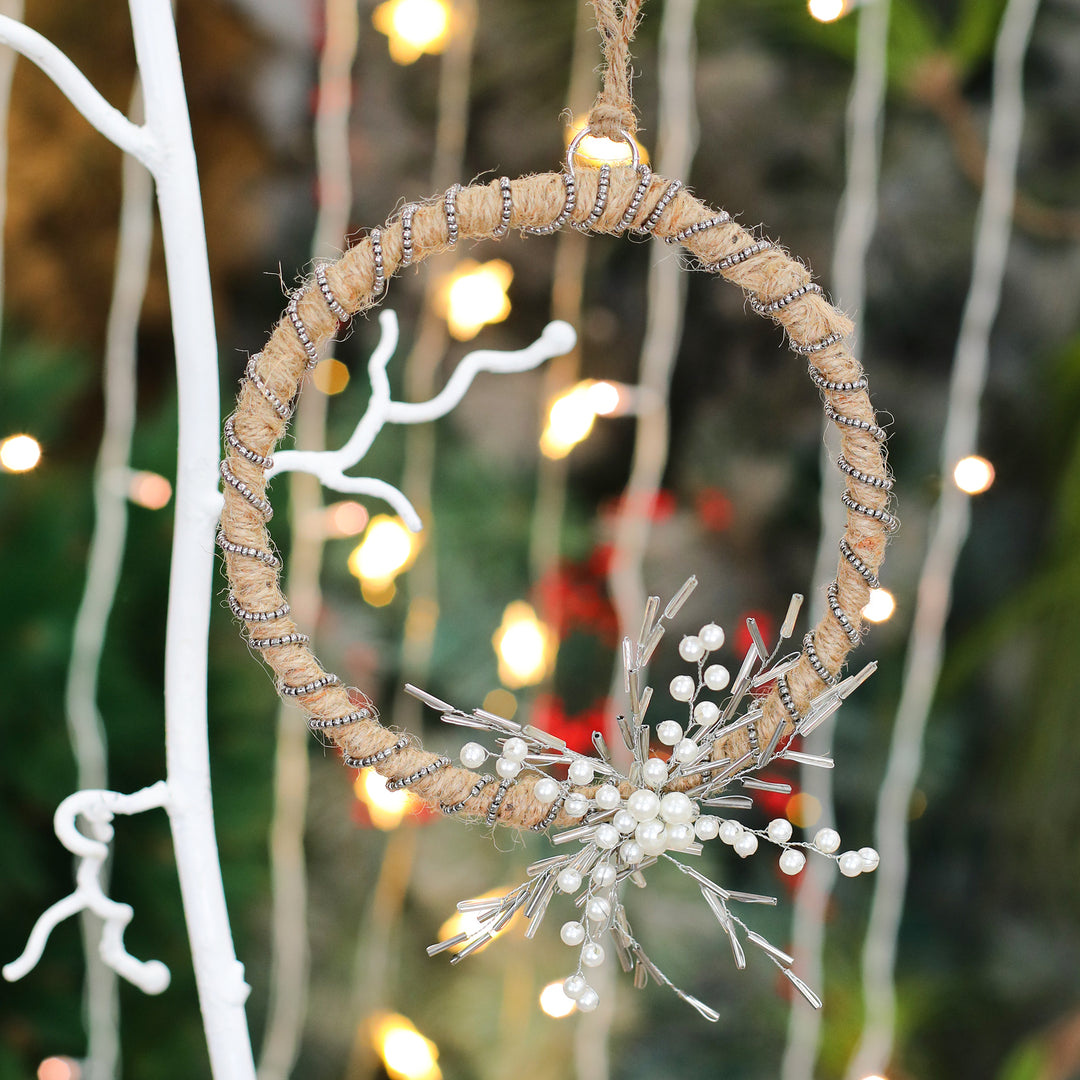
pixel 251 373
pixel 242 612
pixel 850 629
pixel 479 786
pixel 374 759
pixel 503 227
pixel 427 770
pixel 264 461
pixel 301 330
pixel 653 219
pixel 860 567
pixel 267 557
pixel 701 226
pixel 883 482
pixel 575 142
pixel 336 309
pixel 815 661
pixel 329 679
pixel 278 642
pixel 853 422
pixel 238 485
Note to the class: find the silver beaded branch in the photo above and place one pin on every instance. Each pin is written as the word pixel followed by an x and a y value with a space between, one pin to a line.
pixel 655 810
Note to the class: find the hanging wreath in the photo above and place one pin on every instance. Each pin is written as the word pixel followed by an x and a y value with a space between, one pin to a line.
pixel 612 822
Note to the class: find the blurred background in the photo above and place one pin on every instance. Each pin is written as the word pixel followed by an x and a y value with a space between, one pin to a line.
pixel 504 599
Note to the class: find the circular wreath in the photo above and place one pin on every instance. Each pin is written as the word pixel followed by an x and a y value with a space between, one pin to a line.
pixel 613 200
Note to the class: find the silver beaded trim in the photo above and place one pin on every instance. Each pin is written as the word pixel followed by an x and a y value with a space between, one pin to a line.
pixel 252 375
pixel 260 504
pixel 883 482
pixel 859 565
pixel 627 219
pixel 427 770
pixel 336 309
pixel 320 723
pixel 374 759
pixel 601 201
pixel 264 461
pixel 860 383
pixel 752 737
pixel 407 212
pixel 564 214
pixel 503 227
pixel 653 219
pixel 701 226
pixel 773 306
pixel 301 329
pixel 816 346
pixel 787 700
pixel 888 520
pixel 815 660
pixel 850 629
pixel 739 256
pixel 277 642
pixel 496 802
pixel 320 683
pixel 852 422
pixel 267 557
pixel 242 612
pixel 379 287
pixel 552 814
pixel 450 207
pixel 479 786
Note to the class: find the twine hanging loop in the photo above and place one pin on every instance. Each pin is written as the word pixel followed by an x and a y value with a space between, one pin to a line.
pixel 613 112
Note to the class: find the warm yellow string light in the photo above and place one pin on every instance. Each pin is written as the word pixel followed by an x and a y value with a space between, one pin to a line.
pixel 475 296
pixel 413 27
pixel 524 645
pixel 19 453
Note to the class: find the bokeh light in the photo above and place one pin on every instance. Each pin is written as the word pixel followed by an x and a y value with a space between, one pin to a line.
pixel 502 703
pixel 592 151
pixel 803 810
pixel 149 489
pixel 385 808
pixel 20 453
pixel 59 1068
pixel 476 296
pixel 524 646
pixel 572 414
pixel 413 27
pixel 973 474
pixel 330 376
pixel 880 607
pixel 345 518
pixel 405 1053
pixel 554 1002
pixel 828 10
pixel 387 549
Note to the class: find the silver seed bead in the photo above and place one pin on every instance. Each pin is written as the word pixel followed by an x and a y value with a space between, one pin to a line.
pixel 309 687
pixel 861 383
pixel 374 759
pixel 815 661
pixel 496 802
pixel 503 227
pixel 852 422
pixel 260 504
pixel 450 208
pixel 888 520
pixel 427 770
pixel 701 226
pixel 564 214
pixel 771 307
pixel 859 565
pixel 252 375
pixel 787 700
pixel 627 220
pixel 479 786
pixel 301 330
pixel 336 309
pixel 816 346
pixel 264 461
pixel 552 814
pixel 267 557
pixel 379 286
pixel 739 256
pixel 653 219
pixel 277 642
pixel 407 212
pixel 883 482
pixel 242 612
pixel 850 629
pixel 601 201
pixel 320 723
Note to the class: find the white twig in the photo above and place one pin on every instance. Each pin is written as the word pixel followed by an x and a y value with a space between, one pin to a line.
pixel 854 231
pixel 330 465
pixel 75 86
pixel 948 534
pixel 98 808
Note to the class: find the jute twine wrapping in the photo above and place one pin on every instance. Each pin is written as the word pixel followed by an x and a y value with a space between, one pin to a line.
pixel 537 201
pixel 613 111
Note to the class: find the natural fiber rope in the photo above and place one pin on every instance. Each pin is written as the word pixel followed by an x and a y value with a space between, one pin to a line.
pixel 613 111
pixel 775 282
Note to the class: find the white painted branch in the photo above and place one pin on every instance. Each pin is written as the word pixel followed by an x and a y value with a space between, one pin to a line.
pixel 330 465
pixel 949 532
pixel 854 231
pixel 97 808
pixel 75 86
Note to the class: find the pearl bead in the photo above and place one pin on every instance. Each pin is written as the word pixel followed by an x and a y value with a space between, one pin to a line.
pixel 792 861
pixel 675 807
pixel 576 805
pixel 588 1000
pixel 545 790
pixel 507 769
pixel 669 732
pixel 827 840
pixel 679 836
pixel 607 797
pixel 870 858
pixel 705 712
pixel 592 955
pixel 574 986
pixel 572 933
pixel 707 827
pixel 569 881
pixel 581 771
pixel 606 837
pixel 779 830
pixel 686 751
pixel 655 772
pixel 717 676
pixel 643 804
pixel 746 845
pixel 682 688
pixel 473 755
pixel 850 864
pixel 691 649
pixel 515 749
pixel 652 836
pixel 712 636
pixel 730 831
pixel 624 821
pixel 598 909
pixel 630 852
pixel 603 875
